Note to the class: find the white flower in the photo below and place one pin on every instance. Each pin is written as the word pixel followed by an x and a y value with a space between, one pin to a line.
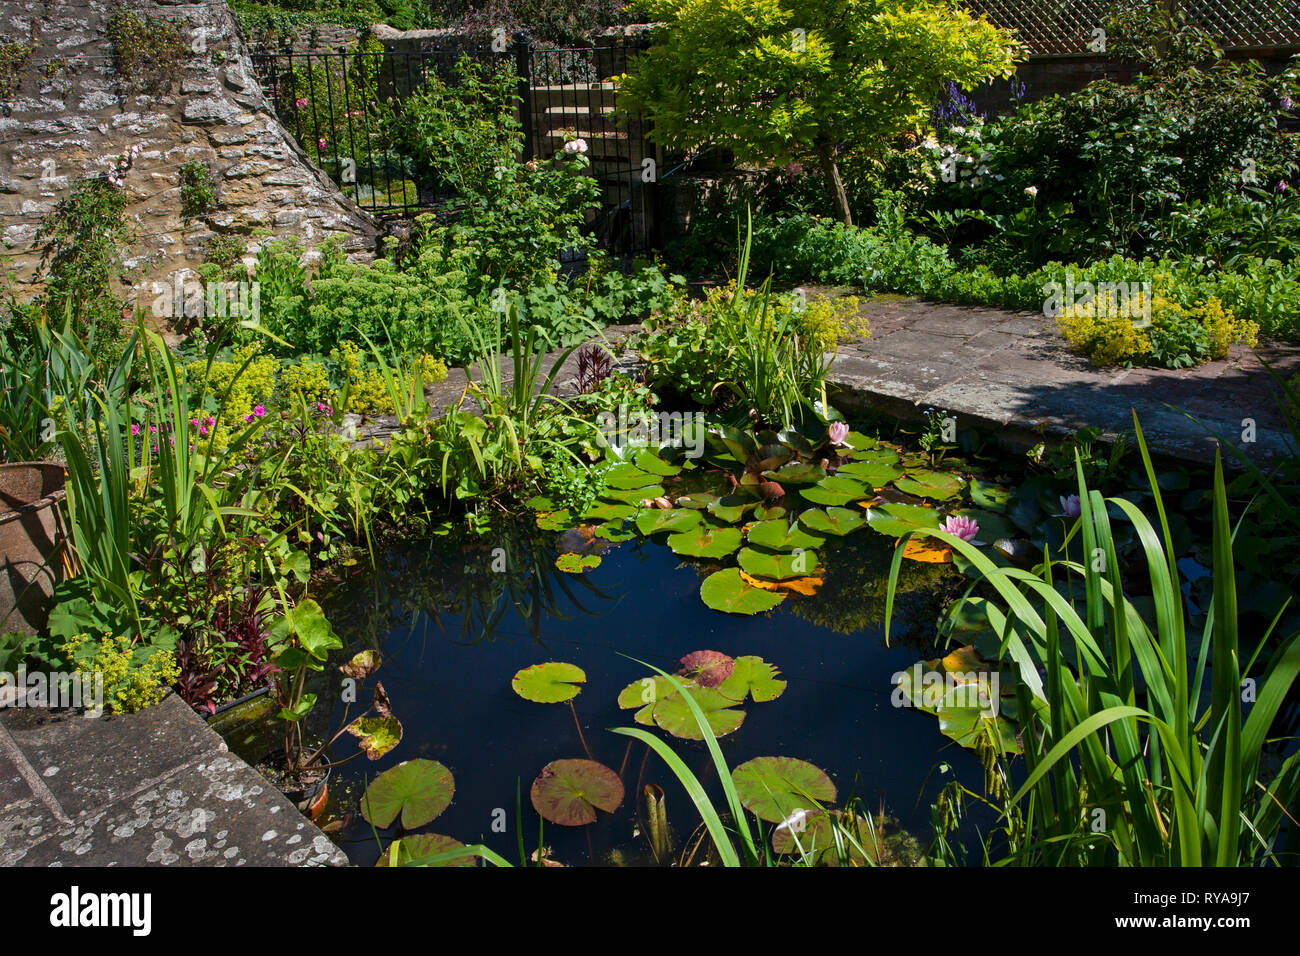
pixel 575 146
pixel 1031 190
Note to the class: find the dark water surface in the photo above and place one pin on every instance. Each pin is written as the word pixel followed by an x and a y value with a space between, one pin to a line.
pixel 448 664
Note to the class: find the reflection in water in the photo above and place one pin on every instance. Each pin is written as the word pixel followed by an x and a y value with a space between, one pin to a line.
pixel 455 618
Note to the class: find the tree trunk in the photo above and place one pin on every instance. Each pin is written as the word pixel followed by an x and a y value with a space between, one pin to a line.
pixel 832 173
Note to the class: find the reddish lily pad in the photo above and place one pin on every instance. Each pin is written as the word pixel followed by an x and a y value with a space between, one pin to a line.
pixel 707 668
pixel 362 665
pixel 408 851
pixel 376 735
pixel 569 792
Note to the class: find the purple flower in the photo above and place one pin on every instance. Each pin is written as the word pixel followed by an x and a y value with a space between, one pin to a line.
pixel 1282 187
pixel 248 417
pixel 135 429
pixel 961 526
pixel 321 143
pixel 1285 103
pixel 1070 506
pixel 211 421
pixel 838 432
pixel 300 102
pixel 259 410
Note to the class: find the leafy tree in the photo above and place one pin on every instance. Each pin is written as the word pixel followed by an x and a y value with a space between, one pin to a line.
pixel 813 81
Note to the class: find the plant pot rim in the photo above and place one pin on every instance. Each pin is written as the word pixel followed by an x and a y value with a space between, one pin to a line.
pixel 35 504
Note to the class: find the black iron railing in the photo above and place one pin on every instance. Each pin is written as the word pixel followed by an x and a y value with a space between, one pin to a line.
pixel 344 108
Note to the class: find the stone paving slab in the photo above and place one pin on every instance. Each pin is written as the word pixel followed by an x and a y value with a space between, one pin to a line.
pixel 1012 374
pixel 153 788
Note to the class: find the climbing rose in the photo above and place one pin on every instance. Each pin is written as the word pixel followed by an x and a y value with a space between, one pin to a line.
pixel 575 146
pixel 962 527
pixel 300 102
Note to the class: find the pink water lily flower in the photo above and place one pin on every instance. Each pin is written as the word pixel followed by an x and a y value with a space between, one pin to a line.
pixel 1070 506
pixel 961 526
pixel 837 433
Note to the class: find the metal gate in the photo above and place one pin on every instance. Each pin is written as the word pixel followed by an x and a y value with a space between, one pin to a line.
pixel 339 104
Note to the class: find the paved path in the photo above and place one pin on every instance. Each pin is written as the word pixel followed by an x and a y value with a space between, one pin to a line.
pixel 1010 373
pixel 153 788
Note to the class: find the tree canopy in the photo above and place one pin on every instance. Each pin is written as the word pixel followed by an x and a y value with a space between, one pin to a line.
pixel 779 81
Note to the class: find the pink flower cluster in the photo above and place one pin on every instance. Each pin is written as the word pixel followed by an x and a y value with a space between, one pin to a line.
pixel 117 172
pixel 257 412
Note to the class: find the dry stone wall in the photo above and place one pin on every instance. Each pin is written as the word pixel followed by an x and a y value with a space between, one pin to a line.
pixel 70 114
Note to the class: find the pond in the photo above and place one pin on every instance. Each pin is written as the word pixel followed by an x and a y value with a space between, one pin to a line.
pixel 456 619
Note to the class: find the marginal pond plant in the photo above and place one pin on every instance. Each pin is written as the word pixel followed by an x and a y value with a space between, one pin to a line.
pixel 1148 740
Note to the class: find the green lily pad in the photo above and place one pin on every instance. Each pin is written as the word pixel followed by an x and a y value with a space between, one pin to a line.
pixel 644 694
pixel 613 531
pixel 540 503
pixel 569 792
pixel 675 520
pixel 560 520
pixel 706 541
pixel 628 476
pixel 820 496
pixel 407 850
pixel 897 520
pixel 880 454
pixel 577 563
pixel 727 591
pixel 769 512
pixel 730 508
pixel 696 501
pixel 417 789
pixel 938 485
pixel 674 715
pixel 633 496
pixel 875 473
pixel 839 521
pixel 609 511
pixel 773 788
pixel 739 444
pixel 796 473
pixel 753 676
pixel 780 535
pixel 649 462
pixel 813 834
pixel 549 683
pixel 986 494
pixel 778 567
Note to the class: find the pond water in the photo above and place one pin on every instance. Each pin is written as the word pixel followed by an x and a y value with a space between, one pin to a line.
pixel 455 620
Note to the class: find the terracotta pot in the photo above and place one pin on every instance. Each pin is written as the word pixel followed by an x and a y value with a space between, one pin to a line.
pixel 32 536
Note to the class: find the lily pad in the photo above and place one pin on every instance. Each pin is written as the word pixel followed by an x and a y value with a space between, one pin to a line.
pixel 549 683
pixel 706 668
pixel 818 495
pixel 779 567
pixel 418 789
pixel 577 563
pixel 796 473
pixel 362 665
pixel 780 535
pixel 726 591
pixel 813 834
pixel 555 520
pixel 938 485
pixel 612 531
pixel 644 694
pixel 707 541
pixel 674 715
pixel 769 512
pixel 633 496
pixel 609 511
pixel 875 473
pixel 773 788
pixel 628 476
pixel 696 501
pixel 897 520
pixel 988 495
pixel 407 850
pixel 674 520
pixel 649 462
pixel 880 454
pixel 839 521
pixel 376 735
pixel 730 508
pixel 569 792
pixel 753 676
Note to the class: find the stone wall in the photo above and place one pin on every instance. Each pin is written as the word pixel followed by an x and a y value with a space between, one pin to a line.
pixel 72 114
